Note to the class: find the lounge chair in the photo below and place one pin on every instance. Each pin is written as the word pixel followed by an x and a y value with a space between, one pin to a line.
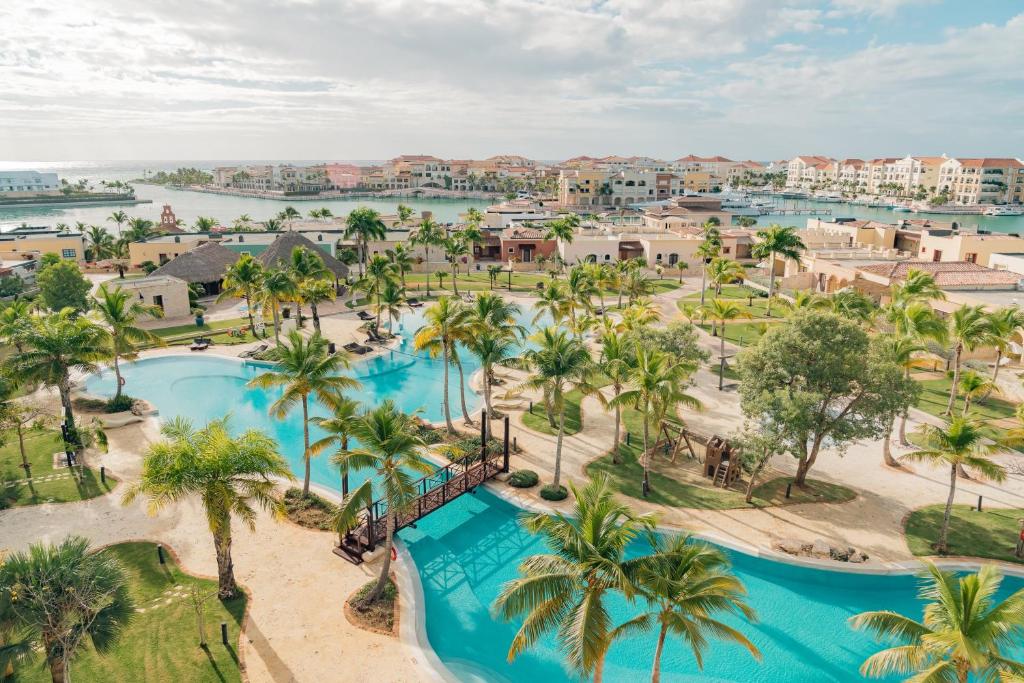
pixel 414 302
pixel 199 344
pixel 253 351
pixel 353 347
pixel 363 315
pixel 374 337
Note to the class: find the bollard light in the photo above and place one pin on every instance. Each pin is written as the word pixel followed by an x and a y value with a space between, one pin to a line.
pixel 224 632
pixel 789 489
pixel 160 554
pixel 103 474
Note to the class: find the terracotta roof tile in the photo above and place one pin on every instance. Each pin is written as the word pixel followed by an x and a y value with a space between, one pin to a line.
pixel 946 273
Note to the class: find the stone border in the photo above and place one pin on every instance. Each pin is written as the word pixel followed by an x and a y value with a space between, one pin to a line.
pixel 396 628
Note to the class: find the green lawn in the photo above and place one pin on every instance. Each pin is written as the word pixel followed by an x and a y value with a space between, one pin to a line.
pixel 773 492
pixel 162 641
pixel 63 487
pixel 990 534
pixel 741 334
pixel 756 306
pixel 935 396
pixel 183 334
pixel 521 282
pixel 538 419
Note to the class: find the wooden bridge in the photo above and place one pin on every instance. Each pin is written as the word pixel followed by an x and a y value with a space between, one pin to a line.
pixel 434 491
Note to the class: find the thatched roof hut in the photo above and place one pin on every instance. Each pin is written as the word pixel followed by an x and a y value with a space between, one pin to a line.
pixel 279 253
pixel 206 264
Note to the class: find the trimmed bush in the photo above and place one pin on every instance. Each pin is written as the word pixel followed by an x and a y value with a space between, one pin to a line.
pixel 311 511
pixel 551 492
pixel 523 479
pixel 120 404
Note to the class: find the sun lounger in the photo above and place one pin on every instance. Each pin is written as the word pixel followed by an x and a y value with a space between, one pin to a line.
pixel 199 344
pixel 414 303
pixel 374 337
pixel 253 351
pixel 363 315
pixel 353 347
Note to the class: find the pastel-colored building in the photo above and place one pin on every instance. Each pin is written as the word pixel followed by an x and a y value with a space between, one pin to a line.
pixel 28 184
pixel 170 294
pixel 342 176
pixel 524 245
pixel 23 244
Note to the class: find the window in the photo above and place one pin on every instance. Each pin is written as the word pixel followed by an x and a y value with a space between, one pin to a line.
pixel 726 250
pixel 971 258
pixel 607 257
pixel 937 255
pixel 658 257
pixel 68 253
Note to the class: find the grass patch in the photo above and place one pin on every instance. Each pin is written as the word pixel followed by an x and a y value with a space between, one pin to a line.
pixel 773 492
pixel 311 511
pixel 538 419
pixel 180 335
pixel 521 282
pixel 990 534
pixel 741 334
pixel 755 306
pixel 39 449
pixel 935 396
pixel 380 615
pixel 162 642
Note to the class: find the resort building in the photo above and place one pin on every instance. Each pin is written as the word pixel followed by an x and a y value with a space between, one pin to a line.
pixel 982 181
pixel 686 212
pixel 168 293
pixel 804 171
pixel 26 270
pixel 22 244
pixel 278 254
pixel 524 245
pixel 204 265
pixel 342 176
pixel 28 184
pixel 973 247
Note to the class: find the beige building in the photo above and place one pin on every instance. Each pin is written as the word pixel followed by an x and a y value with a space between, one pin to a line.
pixel 951 246
pixel 22 244
pixel 982 181
pixel 163 291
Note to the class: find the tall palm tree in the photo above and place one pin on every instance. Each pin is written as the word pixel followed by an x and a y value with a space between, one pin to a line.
pixel 708 250
pixel 391 447
pixel 918 286
pixel 969 328
pixel 463 330
pixel 404 213
pixel 303 368
pixel 974 385
pixel 455 248
pixel 315 291
pixel 614 363
pixel 723 271
pixel 854 305
pixel 364 224
pixel 553 301
pixel 917 321
pixel 958 445
pixel 15 321
pixel 242 280
pixel 290 213
pixel 403 259
pixel 657 381
pixel 61 595
pixel 119 311
pixel 379 271
pixel 99 241
pixel 437 337
pixel 338 427
pixel 205 224
pixel 686 583
pixel 963 636
pixel 722 311
pixel 901 350
pixel 54 346
pixel 491 348
pixel 565 591
pixel 428 234
pixel 139 230
pixel 391 300
pixel 118 218
pixel 273 225
pixel 231 475
pixel 562 230
pixel 305 264
pixel 1003 324
pixel 277 286
pixel 559 364
pixel 580 291
pixel 774 241
pixel 490 311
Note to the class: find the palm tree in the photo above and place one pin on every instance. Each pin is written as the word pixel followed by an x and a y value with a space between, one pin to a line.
pixel 708 250
pixel 686 582
pixel 559 364
pixel 1003 324
pixel 491 349
pixel 637 284
pixel 99 241
pixel 428 235
pixel 404 213
pixel 364 224
pixel 205 224
pixel 580 290
pixel 959 445
pixel 118 218
pixel 917 321
pixel 657 381
pixel 55 346
pixel 455 249
pixel 773 241
pixel 562 229
pixel 918 286
pixel 849 303
pixel 722 271
pixel 139 230
pixel 314 292
pixel 962 636
pixel 15 322
pixel 640 314
pixel 242 280
pixel 338 428
pixel 305 265
pixel 120 311
pixel 391 300
pixel 391 447
pixel 614 363
pixel 273 225
pixel 290 213
pixel 231 475
pixel 438 336
pixel 277 287
pixel 900 350
pixel 969 328
pixel 565 590
pixel 974 385
pixel 553 301
pixel 722 311
pixel 62 595
pixel 379 271
pixel 303 368
pixel 403 259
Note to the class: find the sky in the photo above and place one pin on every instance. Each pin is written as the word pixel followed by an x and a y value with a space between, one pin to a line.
pixel 549 79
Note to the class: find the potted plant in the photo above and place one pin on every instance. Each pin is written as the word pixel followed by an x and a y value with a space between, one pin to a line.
pixel 198 312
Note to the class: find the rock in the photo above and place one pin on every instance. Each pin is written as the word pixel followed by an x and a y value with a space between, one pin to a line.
pixel 841 554
pixel 788 545
pixel 857 558
pixel 820 548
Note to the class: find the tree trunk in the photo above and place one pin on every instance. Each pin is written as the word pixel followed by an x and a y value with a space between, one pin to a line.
pixel 305 443
pixel 64 388
pixel 886 446
pixel 447 411
pixel 277 322
pixel 316 317
pixel 942 546
pixel 618 429
pixel 703 279
pixel 646 457
pixel 558 444
pixel 956 380
pixel 385 568
pixel 225 565
pixel 721 359
pixel 903 418
pixel 248 308
pixel 995 373
pixel 117 374
pixel 806 461
pixel 462 393
pixel 656 669
pixel 599 668
pixel 21 449
pixel 771 284
pixel 426 248
pixel 550 410
pixel 455 279
pixel 487 389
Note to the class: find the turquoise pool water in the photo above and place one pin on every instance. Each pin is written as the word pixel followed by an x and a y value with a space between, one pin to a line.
pixel 466 551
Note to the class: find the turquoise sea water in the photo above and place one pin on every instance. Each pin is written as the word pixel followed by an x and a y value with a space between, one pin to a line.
pixel 467 550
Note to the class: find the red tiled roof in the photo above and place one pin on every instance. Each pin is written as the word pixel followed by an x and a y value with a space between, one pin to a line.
pixel 946 273
pixel 991 163
pixel 521 233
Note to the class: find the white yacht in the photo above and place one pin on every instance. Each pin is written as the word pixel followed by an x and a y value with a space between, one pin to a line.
pixel 1004 210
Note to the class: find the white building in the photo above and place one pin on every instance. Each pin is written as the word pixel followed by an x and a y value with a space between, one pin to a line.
pixel 28 183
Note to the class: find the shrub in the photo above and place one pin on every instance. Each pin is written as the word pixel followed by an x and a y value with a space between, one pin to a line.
pixel 523 479
pixel 119 405
pixel 552 492
pixel 470 445
pixel 312 511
